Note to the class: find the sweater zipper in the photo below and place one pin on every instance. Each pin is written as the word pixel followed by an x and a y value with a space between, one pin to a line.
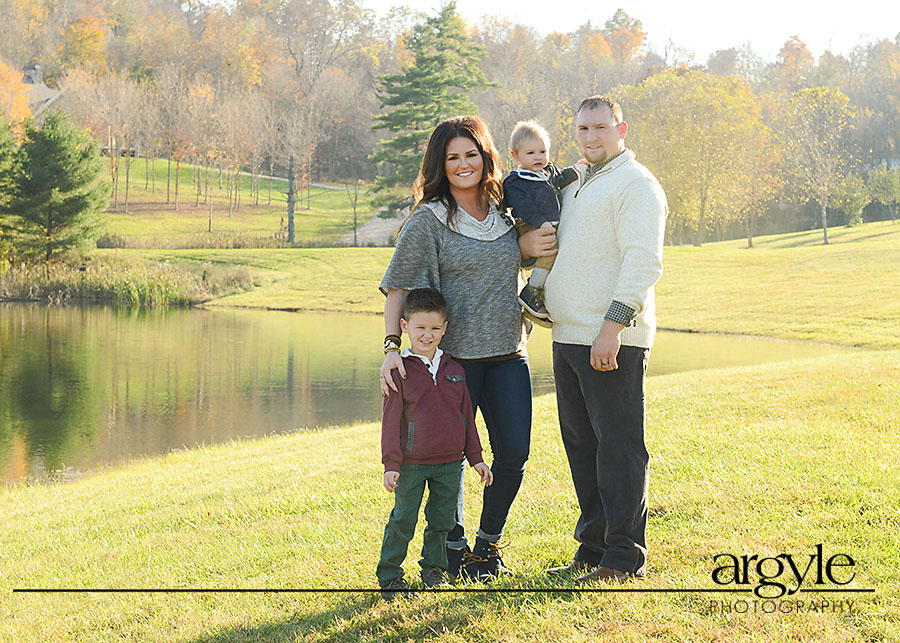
pixel 581 187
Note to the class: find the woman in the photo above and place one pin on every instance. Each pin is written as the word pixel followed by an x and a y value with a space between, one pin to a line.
pixel 459 242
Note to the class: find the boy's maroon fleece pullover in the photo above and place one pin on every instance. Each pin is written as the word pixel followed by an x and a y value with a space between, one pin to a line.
pixel 429 422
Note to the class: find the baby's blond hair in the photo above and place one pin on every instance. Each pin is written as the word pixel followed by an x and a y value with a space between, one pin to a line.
pixel 527 130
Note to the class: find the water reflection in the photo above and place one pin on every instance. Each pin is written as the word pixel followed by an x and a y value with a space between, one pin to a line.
pixel 83 386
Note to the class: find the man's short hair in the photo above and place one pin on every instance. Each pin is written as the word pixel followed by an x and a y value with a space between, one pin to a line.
pixel 594 102
pixel 424 300
pixel 526 130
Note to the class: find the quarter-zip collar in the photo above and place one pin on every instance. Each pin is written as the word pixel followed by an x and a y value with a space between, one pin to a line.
pixel 608 166
pixel 431 365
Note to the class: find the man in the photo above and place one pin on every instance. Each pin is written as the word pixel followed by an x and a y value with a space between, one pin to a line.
pixel 600 298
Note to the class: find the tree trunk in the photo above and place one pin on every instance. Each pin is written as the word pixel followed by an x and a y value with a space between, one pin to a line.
pixel 271 170
pixel 230 189
pixel 177 173
pixel 208 201
pixel 701 224
pixel 168 180
pixel 127 178
pixel 749 231
pixel 197 186
pixel 146 173
pixel 825 221
pixel 290 203
pixel 115 153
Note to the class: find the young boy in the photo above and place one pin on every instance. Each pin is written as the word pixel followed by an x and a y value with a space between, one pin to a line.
pixel 426 429
pixel 532 191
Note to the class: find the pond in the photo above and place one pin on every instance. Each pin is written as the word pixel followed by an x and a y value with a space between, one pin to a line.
pixel 82 387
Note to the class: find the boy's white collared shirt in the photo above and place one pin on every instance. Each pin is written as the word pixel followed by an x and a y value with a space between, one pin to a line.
pixel 432 365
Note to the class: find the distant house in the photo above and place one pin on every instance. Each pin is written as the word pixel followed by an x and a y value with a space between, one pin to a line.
pixel 39 95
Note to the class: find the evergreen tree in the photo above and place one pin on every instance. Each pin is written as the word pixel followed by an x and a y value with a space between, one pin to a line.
pixel 437 85
pixel 7 151
pixel 56 190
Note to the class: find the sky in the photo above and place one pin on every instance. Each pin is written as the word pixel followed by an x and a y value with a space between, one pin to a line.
pixel 701 27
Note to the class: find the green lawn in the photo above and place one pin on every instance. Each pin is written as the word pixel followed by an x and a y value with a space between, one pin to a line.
pixel 758 460
pixel 789 286
pixel 152 222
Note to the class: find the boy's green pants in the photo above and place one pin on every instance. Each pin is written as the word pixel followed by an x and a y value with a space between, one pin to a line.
pixel 440 517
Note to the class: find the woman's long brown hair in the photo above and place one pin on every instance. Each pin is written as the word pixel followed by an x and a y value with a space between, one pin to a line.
pixel 432 183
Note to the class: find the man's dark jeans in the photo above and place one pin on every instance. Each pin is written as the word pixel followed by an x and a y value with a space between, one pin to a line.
pixel 601 417
pixel 502 390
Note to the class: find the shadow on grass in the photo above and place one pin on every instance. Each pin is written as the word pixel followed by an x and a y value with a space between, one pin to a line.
pixel 802 239
pixel 357 617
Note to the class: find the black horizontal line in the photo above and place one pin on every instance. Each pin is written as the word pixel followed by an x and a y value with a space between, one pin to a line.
pixel 435 590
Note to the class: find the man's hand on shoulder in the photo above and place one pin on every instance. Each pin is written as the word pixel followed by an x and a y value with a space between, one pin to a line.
pixel 606 347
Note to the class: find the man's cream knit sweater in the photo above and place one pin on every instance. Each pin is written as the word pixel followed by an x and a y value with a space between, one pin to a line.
pixel 610 249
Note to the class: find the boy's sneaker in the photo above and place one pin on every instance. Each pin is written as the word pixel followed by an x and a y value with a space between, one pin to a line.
pixel 491 563
pixel 434 577
pixel 532 302
pixel 455 560
pixel 397 586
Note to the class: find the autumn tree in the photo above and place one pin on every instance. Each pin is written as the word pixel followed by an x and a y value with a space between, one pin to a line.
pixel 56 191
pixel 689 128
pixel 817 153
pixel 625 36
pixel 13 99
pixel 172 90
pixel 874 91
pixel 84 45
pixel 792 66
pixel 884 185
pixel 437 85
pixel 313 38
pixel 852 196
pixel 512 61
pixel 757 172
pixel 723 62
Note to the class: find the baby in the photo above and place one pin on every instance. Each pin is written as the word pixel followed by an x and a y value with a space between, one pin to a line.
pixel 532 192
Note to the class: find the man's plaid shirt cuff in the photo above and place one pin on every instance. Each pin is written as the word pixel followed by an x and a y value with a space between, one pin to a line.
pixel 621 314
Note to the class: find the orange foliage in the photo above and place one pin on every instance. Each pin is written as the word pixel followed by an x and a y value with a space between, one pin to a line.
pixel 793 64
pixel 625 36
pixel 594 48
pixel 13 98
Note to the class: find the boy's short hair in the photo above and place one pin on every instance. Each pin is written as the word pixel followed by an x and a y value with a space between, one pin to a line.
pixel 424 300
pixel 525 130
pixel 594 102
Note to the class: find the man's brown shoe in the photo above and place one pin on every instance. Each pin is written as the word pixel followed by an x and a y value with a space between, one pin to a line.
pixel 603 574
pixel 575 567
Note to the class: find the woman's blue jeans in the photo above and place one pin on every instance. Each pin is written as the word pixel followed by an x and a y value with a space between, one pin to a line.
pixel 502 390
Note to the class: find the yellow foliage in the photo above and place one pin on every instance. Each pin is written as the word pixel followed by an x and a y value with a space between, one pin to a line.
pixel 85 44
pixel 13 98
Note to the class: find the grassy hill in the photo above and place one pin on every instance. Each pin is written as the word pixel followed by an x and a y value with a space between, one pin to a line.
pixel 151 222
pixel 789 286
